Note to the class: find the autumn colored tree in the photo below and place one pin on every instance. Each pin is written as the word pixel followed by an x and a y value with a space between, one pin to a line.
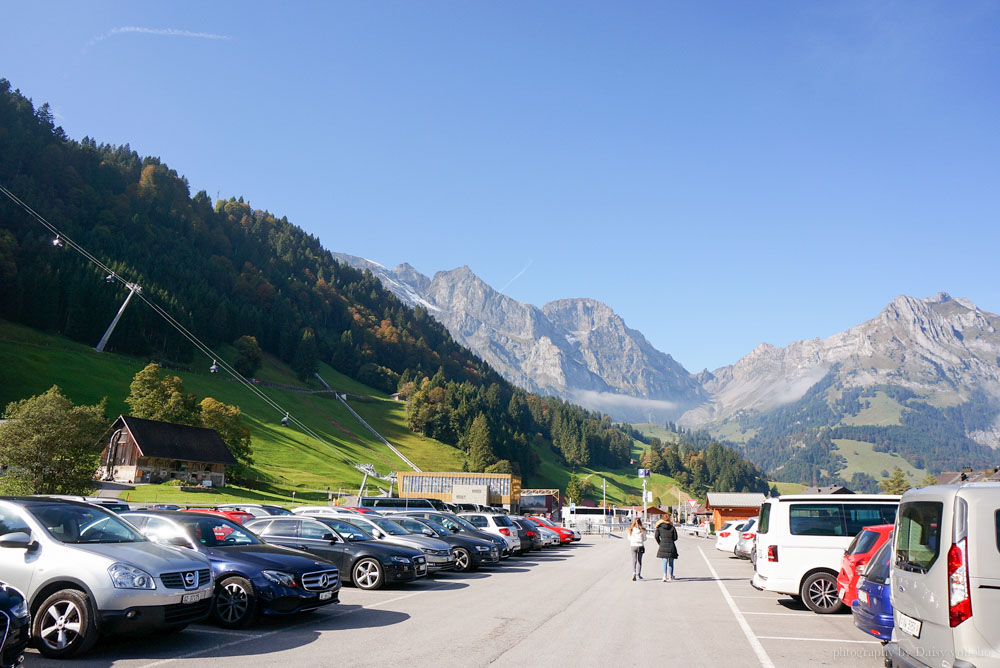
pixel 228 421
pixel 249 356
pixel 156 396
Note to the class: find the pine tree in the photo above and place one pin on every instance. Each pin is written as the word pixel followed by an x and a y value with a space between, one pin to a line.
pixel 480 446
pixel 928 480
pixel 896 483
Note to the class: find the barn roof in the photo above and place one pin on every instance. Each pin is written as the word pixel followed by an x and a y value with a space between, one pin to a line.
pixel 177 441
pixel 734 500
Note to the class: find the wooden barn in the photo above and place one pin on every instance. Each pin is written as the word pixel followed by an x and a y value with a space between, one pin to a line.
pixel 726 506
pixel 150 451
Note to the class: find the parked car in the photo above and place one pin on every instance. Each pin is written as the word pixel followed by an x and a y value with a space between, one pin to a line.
pixel 528 533
pixel 363 511
pixel 801 540
pixel 330 511
pixel 857 555
pixel 15 623
pixel 256 509
pixel 729 534
pixel 86 572
pixel 114 505
pixel 549 537
pixel 496 524
pixel 438 553
pixel 459 525
pixel 565 535
pixel 872 609
pixel 946 576
pixel 747 542
pixel 387 503
pixel 469 552
pixel 252 578
pixel 365 562
pixel 237 516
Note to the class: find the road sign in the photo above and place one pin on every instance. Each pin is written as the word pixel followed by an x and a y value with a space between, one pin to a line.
pixel 643 473
pixel 572 507
pixel 694 503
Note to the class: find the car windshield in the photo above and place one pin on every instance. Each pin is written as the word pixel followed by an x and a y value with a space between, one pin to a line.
pixel 83 524
pixel 413 526
pixel 389 527
pixel 276 510
pixel 863 542
pixel 216 531
pixel 878 567
pixel 347 530
pixel 437 526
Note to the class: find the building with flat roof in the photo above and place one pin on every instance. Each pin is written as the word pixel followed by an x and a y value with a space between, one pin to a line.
pixel 502 489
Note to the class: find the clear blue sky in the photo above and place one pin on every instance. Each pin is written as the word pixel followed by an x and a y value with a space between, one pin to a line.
pixel 720 174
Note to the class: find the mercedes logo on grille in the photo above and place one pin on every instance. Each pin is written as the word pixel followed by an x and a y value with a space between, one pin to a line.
pixel 324 581
pixel 190 578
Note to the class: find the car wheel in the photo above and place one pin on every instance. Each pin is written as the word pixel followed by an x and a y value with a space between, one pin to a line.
pixel 64 625
pixel 235 603
pixel 367 574
pixel 819 593
pixel 463 560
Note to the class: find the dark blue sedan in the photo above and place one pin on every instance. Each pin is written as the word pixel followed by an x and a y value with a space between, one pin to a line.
pixel 873 610
pixel 251 577
pixel 14 625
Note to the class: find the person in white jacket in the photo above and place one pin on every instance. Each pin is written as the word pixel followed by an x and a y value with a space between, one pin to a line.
pixel 636 542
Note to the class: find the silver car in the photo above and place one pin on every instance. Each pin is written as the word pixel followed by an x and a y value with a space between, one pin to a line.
pixel 84 572
pixel 438 553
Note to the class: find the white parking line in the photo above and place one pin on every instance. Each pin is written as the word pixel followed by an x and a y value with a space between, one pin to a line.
pixel 765 660
pixel 779 614
pixel 220 632
pixel 248 638
pixel 858 642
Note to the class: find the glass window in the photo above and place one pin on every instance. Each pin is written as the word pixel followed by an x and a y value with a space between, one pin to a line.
pixel 919 540
pixel 861 515
pixel 314 530
pixel 347 530
pixel 765 517
pixel 878 567
pixel 215 531
pixel 817 519
pixel 863 542
pixel 477 521
pixel 79 524
pixel 263 528
pixel 11 522
pixel 165 531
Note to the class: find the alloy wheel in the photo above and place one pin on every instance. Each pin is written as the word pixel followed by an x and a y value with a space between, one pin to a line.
pixel 233 602
pixel 61 624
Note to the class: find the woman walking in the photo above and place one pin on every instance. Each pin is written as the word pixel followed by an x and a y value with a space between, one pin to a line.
pixel 636 542
pixel 666 537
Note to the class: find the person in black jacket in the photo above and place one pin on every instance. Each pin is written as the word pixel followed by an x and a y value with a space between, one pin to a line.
pixel 666 537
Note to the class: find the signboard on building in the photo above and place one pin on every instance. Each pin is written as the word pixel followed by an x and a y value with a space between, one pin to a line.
pixel 470 494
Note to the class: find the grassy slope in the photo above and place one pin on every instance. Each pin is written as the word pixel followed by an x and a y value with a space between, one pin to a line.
pixel 873 463
pixel 881 412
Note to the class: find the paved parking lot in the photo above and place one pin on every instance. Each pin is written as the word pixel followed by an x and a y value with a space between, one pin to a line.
pixel 570 606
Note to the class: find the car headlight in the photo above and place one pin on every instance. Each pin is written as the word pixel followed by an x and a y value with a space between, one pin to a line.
pixel 20 609
pixel 400 560
pixel 482 548
pixel 280 577
pixel 124 576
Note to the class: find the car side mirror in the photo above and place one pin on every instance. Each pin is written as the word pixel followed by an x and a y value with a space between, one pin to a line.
pixel 18 540
pixel 378 533
pixel 428 532
pixel 455 529
pixel 330 537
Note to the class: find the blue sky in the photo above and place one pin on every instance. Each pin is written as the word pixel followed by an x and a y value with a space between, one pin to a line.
pixel 721 174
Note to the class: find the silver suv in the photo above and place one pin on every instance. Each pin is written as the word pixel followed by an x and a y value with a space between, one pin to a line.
pixel 85 571
pixel 946 577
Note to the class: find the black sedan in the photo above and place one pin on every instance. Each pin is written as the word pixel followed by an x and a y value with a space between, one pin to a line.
pixel 14 626
pixel 470 553
pixel 366 562
pixel 251 577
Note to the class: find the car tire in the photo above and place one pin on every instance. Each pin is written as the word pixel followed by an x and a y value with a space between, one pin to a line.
pixel 463 560
pixel 819 593
pixel 367 574
pixel 235 605
pixel 64 625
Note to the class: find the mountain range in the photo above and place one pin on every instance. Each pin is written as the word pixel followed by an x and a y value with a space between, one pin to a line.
pixel 941 353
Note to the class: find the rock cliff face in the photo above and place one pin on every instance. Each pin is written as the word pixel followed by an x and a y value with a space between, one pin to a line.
pixel 578 349
pixel 941 348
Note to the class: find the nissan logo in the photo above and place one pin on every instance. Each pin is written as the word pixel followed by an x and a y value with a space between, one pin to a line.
pixel 190 578
pixel 324 581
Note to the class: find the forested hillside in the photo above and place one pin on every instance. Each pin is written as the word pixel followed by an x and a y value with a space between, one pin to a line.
pixel 228 270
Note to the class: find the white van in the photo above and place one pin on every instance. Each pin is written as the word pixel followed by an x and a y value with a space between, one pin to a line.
pixel 946 577
pixel 801 541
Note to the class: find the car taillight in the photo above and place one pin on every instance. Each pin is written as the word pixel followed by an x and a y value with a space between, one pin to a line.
pixel 530 534
pixel 504 531
pixel 747 536
pixel 959 602
pixel 772 552
pixel 724 534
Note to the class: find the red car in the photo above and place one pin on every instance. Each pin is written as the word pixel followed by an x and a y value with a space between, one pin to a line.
pixel 858 554
pixel 565 535
pixel 237 516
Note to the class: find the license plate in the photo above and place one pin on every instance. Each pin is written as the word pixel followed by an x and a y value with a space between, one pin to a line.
pixel 908 624
pixel 863 596
pixel 194 598
pixel 325 595
pixel 843 592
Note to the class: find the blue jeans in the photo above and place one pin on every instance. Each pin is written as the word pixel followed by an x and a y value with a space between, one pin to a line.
pixel 668 566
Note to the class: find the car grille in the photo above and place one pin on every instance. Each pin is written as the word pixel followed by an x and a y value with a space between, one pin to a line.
pixel 177 580
pixel 315 581
pixel 185 613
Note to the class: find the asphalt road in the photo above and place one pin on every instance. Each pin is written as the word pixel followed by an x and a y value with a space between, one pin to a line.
pixel 572 606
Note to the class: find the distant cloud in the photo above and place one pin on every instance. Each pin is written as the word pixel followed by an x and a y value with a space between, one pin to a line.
pixel 517 275
pixel 610 402
pixel 168 32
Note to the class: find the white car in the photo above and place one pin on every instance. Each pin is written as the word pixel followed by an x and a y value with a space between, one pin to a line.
pixel 498 524
pixel 549 537
pixel 946 577
pixel 324 511
pixel 725 539
pixel 801 540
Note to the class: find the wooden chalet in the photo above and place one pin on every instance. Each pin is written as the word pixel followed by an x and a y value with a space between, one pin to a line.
pixel 148 451
pixel 726 506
